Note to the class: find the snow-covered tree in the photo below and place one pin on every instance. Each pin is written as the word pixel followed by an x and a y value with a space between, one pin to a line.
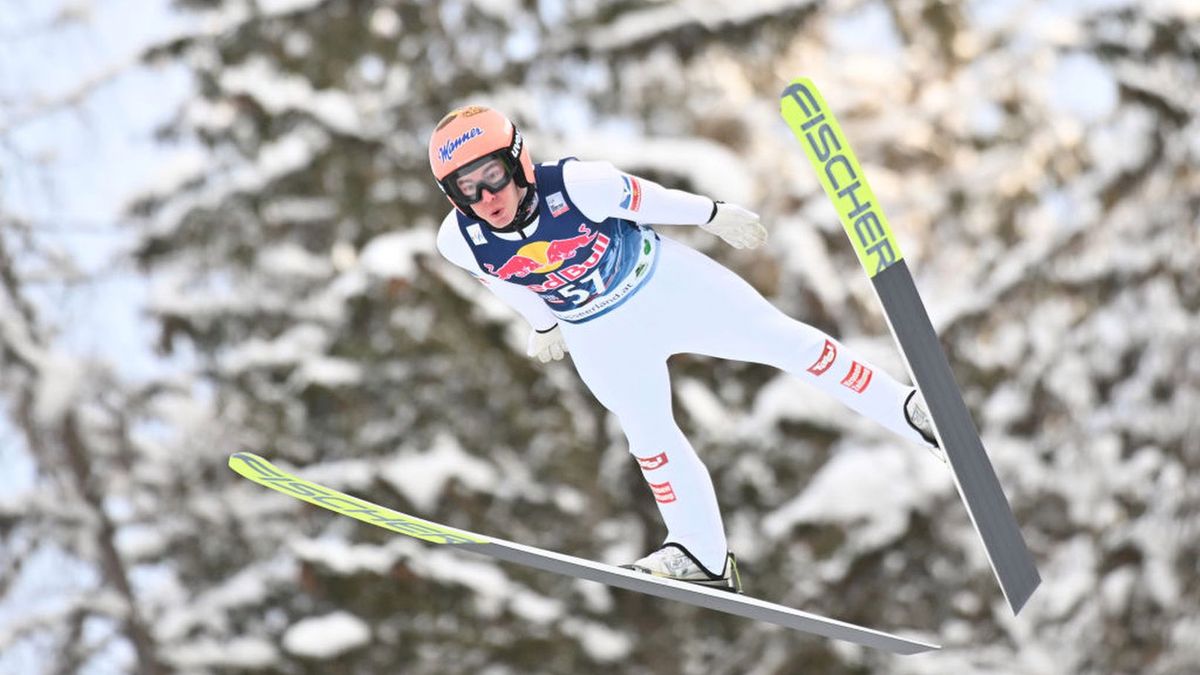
pixel 1037 161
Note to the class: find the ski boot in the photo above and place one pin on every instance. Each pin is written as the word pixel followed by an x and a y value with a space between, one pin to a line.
pixel 918 418
pixel 673 561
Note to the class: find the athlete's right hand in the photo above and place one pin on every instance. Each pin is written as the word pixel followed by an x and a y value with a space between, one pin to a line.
pixel 737 226
pixel 545 345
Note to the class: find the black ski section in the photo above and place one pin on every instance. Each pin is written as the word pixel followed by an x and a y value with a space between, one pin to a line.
pixel 976 478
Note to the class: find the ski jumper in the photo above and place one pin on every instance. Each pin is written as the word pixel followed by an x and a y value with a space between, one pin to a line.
pixel 627 298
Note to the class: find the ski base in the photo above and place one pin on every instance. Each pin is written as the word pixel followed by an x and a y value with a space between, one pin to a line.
pixel 973 472
pixel 841 176
pixel 264 473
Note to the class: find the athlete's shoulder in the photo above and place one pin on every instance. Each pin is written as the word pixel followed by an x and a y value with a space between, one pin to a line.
pixel 594 186
pixel 448 231
pixel 577 172
pixel 553 168
pixel 452 245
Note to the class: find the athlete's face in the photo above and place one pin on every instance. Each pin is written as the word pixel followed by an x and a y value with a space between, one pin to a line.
pixel 498 206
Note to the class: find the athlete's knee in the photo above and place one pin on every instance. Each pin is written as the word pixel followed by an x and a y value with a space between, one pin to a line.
pixel 651 435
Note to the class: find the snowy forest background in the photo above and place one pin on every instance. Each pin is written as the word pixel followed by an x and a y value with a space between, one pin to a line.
pixel 216 234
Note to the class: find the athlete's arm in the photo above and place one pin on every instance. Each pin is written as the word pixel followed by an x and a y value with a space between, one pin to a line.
pixel 453 247
pixel 601 191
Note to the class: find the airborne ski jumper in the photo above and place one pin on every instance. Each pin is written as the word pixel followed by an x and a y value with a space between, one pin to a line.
pixel 571 245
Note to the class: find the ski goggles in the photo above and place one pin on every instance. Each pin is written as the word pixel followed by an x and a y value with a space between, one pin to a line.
pixel 491 172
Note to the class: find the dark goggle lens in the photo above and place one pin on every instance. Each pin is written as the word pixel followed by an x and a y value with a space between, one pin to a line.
pixel 468 189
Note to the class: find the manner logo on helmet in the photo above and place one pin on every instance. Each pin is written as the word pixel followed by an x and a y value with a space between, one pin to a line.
pixel 447 150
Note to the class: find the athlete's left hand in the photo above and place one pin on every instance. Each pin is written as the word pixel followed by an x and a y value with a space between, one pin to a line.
pixel 739 227
pixel 547 344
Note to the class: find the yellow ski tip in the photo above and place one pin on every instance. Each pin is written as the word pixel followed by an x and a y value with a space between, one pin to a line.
pixel 255 468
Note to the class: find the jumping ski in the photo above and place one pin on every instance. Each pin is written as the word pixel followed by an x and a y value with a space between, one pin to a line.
pixel 264 473
pixel 839 173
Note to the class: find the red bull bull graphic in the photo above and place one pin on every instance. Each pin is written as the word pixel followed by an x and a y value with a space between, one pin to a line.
pixel 547 257
pixel 564 249
pixel 519 265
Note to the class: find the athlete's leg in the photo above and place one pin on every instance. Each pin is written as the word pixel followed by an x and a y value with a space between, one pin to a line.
pixel 625 367
pixel 726 317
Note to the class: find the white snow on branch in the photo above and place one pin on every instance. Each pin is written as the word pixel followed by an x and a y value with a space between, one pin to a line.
pixel 422 476
pixel 536 608
pixel 329 372
pixel 19 622
pixel 1081 86
pixel 275 160
pixel 289 259
pixel 634 27
pixel 237 653
pixel 58 386
pixel 870 490
pixel 278 7
pixel 183 166
pixel 298 209
pixel 347 559
pixel 393 255
pixel 705 408
pixel 247 587
pixel 293 346
pixel 280 92
pixel 599 641
pixel 326 637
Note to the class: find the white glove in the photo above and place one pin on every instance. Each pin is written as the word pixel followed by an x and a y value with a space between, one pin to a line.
pixel 545 345
pixel 737 226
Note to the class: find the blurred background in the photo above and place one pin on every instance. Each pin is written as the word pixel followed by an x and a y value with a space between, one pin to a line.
pixel 217 234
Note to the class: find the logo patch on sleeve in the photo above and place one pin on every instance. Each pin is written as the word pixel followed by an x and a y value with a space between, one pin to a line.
pixel 825 362
pixel 858 378
pixel 557 204
pixel 631 193
pixel 663 492
pixel 652 463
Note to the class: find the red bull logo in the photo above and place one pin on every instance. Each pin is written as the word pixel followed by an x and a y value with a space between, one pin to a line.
pixel 547 257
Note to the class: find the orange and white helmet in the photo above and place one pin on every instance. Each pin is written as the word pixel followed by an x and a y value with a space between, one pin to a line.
pixel 466 139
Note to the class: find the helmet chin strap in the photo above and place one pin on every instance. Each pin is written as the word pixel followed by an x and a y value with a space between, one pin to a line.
pixel 526 212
